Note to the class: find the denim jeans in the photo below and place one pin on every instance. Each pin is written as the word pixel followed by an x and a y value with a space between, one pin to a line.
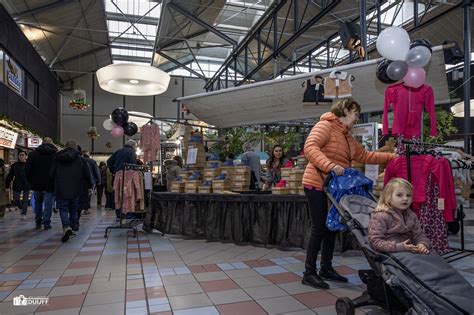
pixel 16 198
pixel 68 211
pixel 43 207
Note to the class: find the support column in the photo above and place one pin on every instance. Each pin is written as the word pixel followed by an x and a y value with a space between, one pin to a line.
pixel 467 75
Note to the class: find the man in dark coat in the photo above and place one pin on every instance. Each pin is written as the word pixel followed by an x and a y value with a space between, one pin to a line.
pixel 115 162
pixel 37 171
pixel 124 155
pixel 69 172
pixel 17 174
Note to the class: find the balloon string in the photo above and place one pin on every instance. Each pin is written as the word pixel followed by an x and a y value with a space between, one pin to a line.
pixel 465 82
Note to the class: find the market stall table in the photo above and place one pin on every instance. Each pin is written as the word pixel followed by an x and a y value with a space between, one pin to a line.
pixel 281 220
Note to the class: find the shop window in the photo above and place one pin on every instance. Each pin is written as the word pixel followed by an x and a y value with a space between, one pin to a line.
pixel 31 90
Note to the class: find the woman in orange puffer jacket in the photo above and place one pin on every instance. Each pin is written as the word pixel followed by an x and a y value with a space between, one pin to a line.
pixel 330 147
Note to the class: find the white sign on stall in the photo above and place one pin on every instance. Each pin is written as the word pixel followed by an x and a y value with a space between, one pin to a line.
pixel 8 138
pixel 34 142
pixel 192 156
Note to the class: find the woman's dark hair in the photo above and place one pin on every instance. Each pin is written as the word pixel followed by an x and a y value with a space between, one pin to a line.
pixel 348 104
pixel 271 160
pixel 178 159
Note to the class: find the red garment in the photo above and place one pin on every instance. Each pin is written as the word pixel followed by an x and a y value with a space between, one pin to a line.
pixel 132 190
pixel 150 141
pixel 421 167
pixel 407 104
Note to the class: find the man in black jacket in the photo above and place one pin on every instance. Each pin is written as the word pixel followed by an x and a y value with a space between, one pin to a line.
pixel 17 174
pixel 37 171
pixel 69 171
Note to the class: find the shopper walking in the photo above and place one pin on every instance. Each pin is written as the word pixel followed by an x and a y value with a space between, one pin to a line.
pixel 38 166
pixel 330 147
pixel 69 171
pixel 101 187
pixel 20 187
pixel 115 162
pixel 95 177
pixel 252 160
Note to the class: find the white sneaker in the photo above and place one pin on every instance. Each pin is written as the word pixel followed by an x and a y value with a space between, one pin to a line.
pixel 23 216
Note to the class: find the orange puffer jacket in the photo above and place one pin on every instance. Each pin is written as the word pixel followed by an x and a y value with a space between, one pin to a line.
pixel 329 144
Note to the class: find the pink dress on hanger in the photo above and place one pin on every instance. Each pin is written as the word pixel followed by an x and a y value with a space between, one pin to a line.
pixel 133 191
pixel 407 104
pixel 150 142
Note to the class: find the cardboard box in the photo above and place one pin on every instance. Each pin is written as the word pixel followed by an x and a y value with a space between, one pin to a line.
pixel 205 189
pixel 280 191
pixel 221 184
pixel 191 184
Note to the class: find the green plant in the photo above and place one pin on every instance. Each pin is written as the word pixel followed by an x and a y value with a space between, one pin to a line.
pixel 444 122
pixel 230 140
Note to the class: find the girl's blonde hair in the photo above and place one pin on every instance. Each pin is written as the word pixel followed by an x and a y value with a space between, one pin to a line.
pixel 386 195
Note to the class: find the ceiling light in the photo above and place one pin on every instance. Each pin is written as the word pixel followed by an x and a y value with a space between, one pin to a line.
pixel 133 79
pixel 458 109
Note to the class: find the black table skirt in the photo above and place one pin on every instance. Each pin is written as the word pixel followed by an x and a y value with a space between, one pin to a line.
pixel 281 220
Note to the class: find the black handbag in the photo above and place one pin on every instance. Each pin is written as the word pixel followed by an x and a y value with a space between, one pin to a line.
pixel 314 91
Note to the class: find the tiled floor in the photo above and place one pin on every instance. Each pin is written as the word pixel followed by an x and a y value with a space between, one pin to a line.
pixel 151 274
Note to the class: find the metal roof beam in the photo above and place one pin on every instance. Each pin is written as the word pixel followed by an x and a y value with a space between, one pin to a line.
pixel 177 41
pixel 131 48
pixel 112 16
pixel 43 8
pixel 197 20
pixel 176 62
pixel 84 54
pixel 131 58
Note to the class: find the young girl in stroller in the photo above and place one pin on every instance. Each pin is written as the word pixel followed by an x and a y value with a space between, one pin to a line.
pixel 393 226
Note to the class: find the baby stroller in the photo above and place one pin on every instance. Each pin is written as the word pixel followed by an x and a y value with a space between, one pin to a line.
pixel 401 283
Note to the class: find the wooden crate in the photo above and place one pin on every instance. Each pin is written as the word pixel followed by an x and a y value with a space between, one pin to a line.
pixel 228 170
pixel 191 184
pixel 211 172
pixel 295 184
pixel 280 191
pixel 177 187
pixel 241 170
pixel 294 191
pixel 205 189
pixel 221 184
pixel 210 163
pixel 301 191
pixel 241 177
pixel 191 191
pixel 285 172
pixel 296 175
pixel 217 191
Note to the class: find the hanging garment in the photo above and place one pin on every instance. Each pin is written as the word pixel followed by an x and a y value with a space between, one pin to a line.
pixel 338 85
pixel 150 142
pixel 314 91
pixel 133 192
pixel 431 218
pixel 407 104
pixel 421 167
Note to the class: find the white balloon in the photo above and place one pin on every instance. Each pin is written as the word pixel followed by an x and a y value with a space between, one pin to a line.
pixel 108 124
pixel 393 43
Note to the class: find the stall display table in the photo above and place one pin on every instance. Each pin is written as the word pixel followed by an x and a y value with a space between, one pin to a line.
pixel 281 220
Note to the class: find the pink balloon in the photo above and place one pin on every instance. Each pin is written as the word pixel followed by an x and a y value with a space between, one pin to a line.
pixel 415 77
pixel 117 131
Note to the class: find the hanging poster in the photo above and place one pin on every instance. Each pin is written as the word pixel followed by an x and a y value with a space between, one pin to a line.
pixel 14 76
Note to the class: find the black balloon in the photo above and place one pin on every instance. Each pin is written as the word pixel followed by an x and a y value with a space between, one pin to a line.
pixel 120 116
pixel 381 72
pixel 130 129
pixel 421 42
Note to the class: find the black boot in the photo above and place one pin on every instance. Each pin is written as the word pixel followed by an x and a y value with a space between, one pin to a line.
pixel 313 280
pixel 331 275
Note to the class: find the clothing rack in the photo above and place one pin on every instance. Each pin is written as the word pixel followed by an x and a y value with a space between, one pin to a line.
pixel 460 211
pixel 132 224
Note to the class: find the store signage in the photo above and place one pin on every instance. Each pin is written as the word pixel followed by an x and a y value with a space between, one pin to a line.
pixel 192 156
pixel 14 76
pixel 8 138
pixel 34 142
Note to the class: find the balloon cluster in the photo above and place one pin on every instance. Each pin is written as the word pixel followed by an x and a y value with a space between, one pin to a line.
pixel 118 124
pixel 404 60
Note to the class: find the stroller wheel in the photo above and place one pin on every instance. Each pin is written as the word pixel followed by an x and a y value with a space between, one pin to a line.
pixel 345 306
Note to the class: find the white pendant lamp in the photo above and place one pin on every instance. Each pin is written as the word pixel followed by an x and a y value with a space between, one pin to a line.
pixel 458 109
pixel 132 79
